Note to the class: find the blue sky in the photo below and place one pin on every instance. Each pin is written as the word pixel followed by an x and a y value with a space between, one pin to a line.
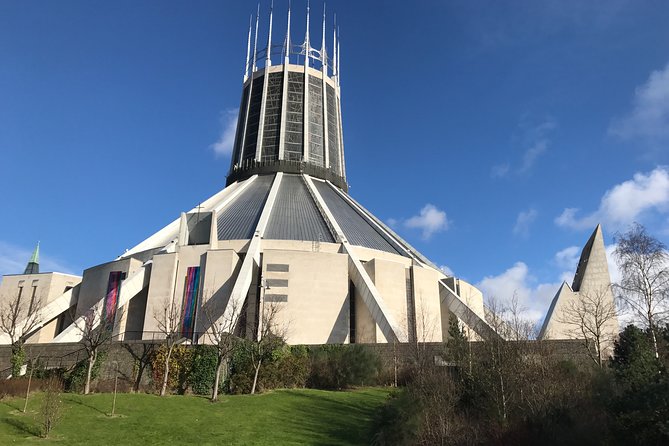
pixel 492 135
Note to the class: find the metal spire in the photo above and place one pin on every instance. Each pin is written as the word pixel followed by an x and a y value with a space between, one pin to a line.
pixel 287 42
pixel 307 45
pixel 248 51
pixel 338 56
pixel 324 58
pixel 255 40
pixel 33 264
pixel 268 59
pixel 334 47
pixel 35 256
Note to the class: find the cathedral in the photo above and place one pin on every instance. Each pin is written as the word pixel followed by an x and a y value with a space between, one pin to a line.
pixel 283 236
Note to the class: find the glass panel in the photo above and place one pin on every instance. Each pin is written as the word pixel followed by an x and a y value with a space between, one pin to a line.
pixel 294 126
pixel 333 131
pixel 251 138
pixel 272 126
pixel 316 155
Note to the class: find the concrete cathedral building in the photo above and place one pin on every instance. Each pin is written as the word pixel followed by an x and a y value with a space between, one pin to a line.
pixel 283 233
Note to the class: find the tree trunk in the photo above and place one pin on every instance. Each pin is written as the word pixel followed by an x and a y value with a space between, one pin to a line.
pixel 652 333
pixel 166 373
pixel 138 378
pixel 255 377
pixel 214 392
pixel 91 361
pixel 30 378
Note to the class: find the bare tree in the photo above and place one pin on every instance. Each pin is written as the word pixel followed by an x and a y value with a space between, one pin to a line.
pixel 503 357
pixel 168 318
pixel 221 335
pixel 95 333
pixel 19 317
pixel 644 285
pixel 422 329
pixel 594 320
pixel 270 336
pixel 52 407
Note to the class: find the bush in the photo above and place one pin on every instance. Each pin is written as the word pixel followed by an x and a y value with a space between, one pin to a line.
pixel 75 380
pixel 203 369
pixel 181 362
pixel 398 421
pixel 17 359
pixel 343 366
pixel 285 367
pixel 18 387
pixel 289 368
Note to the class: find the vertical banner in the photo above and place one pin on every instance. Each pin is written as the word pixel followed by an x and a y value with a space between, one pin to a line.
pixel 111 298
pixel 190 301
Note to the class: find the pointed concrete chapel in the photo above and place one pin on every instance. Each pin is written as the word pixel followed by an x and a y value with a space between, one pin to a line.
pixel 592 280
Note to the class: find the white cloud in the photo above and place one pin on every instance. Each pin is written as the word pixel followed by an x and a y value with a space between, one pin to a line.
pixel 532 154
pixel 535 142
pixel 649 118
pixel 430 220
pixel 524 221
pixel 614 271
pixel 568 257
pixel 13 260
pixel 227 139
pixel 533 297
pixel 625 202
pixel 500 170
pixel 446 270
pixel 567 260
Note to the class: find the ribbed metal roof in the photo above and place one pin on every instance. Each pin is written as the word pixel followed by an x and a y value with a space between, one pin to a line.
pixel 295 215
pixel 356 228
pixel 239 220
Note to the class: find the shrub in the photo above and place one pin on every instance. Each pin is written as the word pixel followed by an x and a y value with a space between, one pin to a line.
pixel 180 367
pixel 343 366
pixel 75 379
pixel 17 387
pixel 398 421
pixel 17 360
pixel 286 367
pixel 203 370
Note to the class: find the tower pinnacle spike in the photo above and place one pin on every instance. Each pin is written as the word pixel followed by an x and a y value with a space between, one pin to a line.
pixel 338 56
pixel 33 264
pixel 248 51
pixel 255 40
pixel 287 42
pixel 307 45
pixel 268 59
pixel 324 59
pixel 334 47
pixel 35 256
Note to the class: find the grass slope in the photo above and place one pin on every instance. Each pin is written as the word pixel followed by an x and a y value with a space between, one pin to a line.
pixel 284 417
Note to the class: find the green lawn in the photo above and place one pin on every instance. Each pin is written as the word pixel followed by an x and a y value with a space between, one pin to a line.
pixel 283 417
